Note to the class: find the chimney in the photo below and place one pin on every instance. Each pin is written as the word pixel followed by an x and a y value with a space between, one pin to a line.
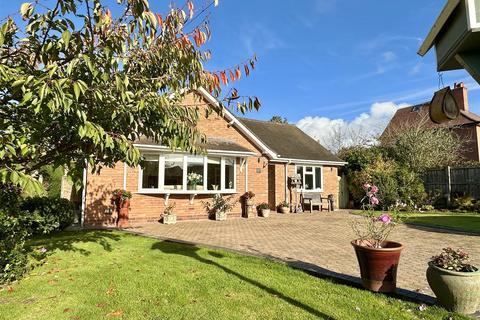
pixel 461 95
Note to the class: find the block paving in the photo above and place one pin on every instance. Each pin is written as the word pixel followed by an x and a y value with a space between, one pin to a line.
pixel 318 241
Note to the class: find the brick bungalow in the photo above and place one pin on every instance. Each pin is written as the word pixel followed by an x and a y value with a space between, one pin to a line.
pixel 466 126
pixel 242 155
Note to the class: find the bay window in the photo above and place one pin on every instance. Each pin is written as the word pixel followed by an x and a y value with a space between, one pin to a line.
pixel 311 177
pixel 173 172
pixel 195 173
pixel 170 173
pixel 229 174
pixel 150 172
pixel 214 179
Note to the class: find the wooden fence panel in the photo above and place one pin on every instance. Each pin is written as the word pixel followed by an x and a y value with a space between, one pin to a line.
pixel 454 181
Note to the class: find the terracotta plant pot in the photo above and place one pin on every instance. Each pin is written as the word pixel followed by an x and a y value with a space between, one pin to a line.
pixel 455 291
pixel 170 219
pixel 123 206
pixel 265 213
pixel 284 209
pixel 220 216
pixel 378 267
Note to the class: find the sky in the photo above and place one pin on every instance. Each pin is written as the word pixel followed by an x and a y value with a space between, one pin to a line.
pixel 325 63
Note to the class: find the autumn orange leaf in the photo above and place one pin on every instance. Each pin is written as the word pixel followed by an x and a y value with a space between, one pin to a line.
pixel 247 71
pixel 238 74
pixel 160 20
pixel 232 76
pixel 223 76
pixel 190 9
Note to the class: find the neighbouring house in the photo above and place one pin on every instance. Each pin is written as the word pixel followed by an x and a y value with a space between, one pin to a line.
pixel 466 126
pixel 241 155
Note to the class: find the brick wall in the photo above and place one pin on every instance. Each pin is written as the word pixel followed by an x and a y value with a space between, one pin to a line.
pixel 149 207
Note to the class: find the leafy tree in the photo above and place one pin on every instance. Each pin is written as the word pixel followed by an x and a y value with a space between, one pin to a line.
pixel 80 85
pixel 279 119
pixel 420 147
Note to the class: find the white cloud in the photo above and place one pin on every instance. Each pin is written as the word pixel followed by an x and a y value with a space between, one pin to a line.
pixel 368 125
pixel 260 38
pixel 389 56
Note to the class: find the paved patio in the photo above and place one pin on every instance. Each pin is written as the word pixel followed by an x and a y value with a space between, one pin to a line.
pixel 317 241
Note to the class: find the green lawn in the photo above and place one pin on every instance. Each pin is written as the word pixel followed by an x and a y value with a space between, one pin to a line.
pixel 113 275
pixel 469 222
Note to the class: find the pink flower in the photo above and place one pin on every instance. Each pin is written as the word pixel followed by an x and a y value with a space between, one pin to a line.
pixel 374 189
pixel 366 186
pixel 374 200
pixel 385 218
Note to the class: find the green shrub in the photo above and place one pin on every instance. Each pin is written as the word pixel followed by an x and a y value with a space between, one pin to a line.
pixel 464 203
pixel 49 214
pixel 397 184
pixel 13 258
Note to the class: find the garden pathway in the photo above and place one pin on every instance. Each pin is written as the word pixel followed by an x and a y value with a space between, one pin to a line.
pixel 317 241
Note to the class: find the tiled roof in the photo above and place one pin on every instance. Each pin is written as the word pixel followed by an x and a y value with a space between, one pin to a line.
pixel 288 141
pixel 420 112
pixel 213 143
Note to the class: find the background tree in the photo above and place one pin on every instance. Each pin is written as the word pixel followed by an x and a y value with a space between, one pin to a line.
pixel 79 85
pixel 279 119
pixel 420 147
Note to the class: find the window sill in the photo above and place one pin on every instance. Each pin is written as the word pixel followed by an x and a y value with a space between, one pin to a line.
pixel 186 192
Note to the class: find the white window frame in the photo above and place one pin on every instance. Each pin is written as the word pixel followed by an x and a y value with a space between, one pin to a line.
pixel 160 175
pixel 184 190
pixel 315 189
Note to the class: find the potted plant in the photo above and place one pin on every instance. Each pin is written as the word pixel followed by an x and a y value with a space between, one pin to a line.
pixel 264 209
pixel 378 258
pixel 455 282
pixel 220 206
pixel 168 216
pixel 121 199
pixel 284 207
pixel 193 180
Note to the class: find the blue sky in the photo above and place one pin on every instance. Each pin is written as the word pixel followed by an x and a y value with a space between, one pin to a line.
pixel 329 60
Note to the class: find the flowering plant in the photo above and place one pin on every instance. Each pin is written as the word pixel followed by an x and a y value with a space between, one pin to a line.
pixel 372 231
pixel 194 178
pixel 120 194
pixel 454 260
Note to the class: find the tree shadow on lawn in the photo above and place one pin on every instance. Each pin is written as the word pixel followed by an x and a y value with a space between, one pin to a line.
pixel 191 251
pixel 67 241
pixel 460 225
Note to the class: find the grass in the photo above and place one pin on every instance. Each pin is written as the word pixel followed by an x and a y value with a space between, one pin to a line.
pixel 114 275
pixel 466 222
pixel 469 222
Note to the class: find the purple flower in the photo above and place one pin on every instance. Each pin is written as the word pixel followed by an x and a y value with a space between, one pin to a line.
pixel 374 200
pixel 385 218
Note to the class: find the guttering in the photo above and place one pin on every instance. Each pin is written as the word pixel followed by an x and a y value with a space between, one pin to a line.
pixel 153 147
pixel 303 161
pixel 234 121
pixel 437 26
